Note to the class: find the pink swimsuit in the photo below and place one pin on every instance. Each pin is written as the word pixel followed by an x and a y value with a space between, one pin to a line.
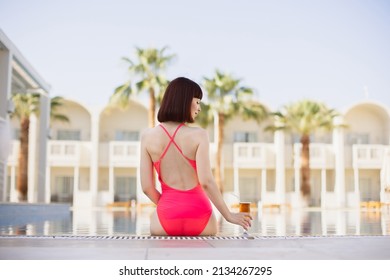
pixel 182 212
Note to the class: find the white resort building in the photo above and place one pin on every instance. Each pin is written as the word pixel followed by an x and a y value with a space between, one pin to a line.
pixel 93 160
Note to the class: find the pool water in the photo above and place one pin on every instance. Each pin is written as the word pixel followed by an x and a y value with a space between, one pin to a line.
pixel 266 222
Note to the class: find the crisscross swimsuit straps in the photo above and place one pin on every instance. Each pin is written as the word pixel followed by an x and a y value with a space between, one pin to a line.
pixel 181 212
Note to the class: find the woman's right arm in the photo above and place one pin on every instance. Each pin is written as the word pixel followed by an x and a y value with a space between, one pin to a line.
pixel 146 171
pixel 207 181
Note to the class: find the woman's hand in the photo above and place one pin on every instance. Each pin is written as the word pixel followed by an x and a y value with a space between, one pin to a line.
pixel 241 219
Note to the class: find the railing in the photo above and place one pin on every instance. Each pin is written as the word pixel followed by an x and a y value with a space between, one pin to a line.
pixel 255 155
pixel 63 153
pixel 59 153
pixel 69 153
pixel 367 156
pixel 123 153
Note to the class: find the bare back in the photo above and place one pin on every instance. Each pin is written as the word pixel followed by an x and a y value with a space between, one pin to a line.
pixel 175 153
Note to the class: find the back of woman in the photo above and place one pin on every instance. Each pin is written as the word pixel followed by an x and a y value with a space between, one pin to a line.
pixel 179 154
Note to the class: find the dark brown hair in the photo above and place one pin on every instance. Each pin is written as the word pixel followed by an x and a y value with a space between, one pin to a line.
pixel 177 100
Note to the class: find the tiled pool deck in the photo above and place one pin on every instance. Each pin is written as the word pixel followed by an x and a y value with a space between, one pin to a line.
pixel 182 248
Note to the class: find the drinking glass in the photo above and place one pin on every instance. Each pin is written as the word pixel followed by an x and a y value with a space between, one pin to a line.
pixel 245 207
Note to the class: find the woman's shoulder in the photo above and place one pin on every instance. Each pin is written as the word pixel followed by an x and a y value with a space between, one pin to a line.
pixel 196 131
pixel 148 132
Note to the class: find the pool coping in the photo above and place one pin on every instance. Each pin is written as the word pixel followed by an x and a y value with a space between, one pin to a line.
pixel 134 247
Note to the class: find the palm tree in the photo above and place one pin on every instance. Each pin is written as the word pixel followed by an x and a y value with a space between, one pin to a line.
pixel 27 104
pixel 304 118
pixel 226 99
pixel 148 68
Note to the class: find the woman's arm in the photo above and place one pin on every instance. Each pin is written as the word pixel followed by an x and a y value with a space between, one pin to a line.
pixel 147 174
pixel 206 179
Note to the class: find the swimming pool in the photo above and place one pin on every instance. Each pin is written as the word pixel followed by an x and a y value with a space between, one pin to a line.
pixel 267 222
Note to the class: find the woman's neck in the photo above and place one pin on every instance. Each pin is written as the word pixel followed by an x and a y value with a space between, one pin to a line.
pixel 171 123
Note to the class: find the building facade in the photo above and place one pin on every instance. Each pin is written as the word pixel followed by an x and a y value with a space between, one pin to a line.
pixel 18 76
pixel 93 160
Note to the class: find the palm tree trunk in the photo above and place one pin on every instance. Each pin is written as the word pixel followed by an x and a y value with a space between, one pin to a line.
pixel 305 166
pixel 218 162
pixel 22 183
pixel 152 107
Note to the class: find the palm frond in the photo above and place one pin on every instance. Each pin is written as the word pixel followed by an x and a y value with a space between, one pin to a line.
pixel 306 116
pixel 226 95
pixel 145 74
pixel 121 95
pixel 56 103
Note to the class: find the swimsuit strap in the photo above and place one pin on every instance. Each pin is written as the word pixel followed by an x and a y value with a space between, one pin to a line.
pixel 171 140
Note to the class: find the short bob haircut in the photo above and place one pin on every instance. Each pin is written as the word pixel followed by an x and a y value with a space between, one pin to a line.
pixel 177 100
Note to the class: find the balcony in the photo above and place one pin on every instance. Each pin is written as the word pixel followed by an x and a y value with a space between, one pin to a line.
pixel 254 155
pixel 367 156
pixel 69 153
pixel 124 154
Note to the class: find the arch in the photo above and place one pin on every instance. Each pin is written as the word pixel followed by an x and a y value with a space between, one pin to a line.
pixel 113 119
pixel 79 119
pixel 368 122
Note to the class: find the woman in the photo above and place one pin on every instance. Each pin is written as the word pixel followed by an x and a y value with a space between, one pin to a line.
pixel 180 156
